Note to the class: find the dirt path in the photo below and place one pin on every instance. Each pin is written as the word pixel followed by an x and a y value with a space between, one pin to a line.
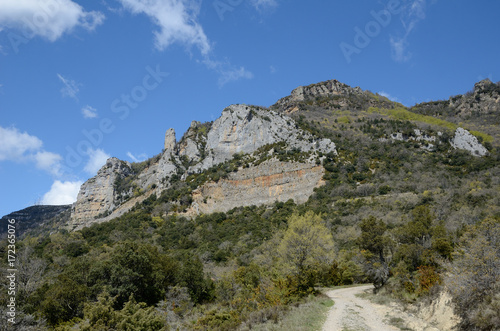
pixel 351 313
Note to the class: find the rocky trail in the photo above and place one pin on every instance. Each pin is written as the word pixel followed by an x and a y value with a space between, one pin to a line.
pixel 352 313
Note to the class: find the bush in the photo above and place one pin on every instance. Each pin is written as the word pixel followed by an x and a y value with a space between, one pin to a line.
pixel 474 280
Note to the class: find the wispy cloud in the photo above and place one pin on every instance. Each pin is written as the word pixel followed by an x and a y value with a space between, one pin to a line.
pixel 138 158
pixel 70 87
pixel 97 158
pixel 264 4
pixel 227 72
pixel 59 17
pixel 62 193
pixel 19 146
pixel 412 13
pixel 177 21
pixel 388 96
pixel 89 112
pixel 398 49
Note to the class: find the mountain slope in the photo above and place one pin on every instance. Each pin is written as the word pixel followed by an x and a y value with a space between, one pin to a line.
pixel 220 163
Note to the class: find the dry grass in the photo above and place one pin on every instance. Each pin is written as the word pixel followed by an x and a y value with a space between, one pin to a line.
pixel 308 316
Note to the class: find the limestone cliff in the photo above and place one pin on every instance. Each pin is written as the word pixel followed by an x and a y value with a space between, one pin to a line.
pixel 97 196
pixel 244 129
pixel 264 184
pixel 240 129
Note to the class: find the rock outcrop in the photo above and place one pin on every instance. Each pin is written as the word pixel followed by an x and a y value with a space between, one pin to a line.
pixel 97 196
pixel 483 99
pixel 264 184
pixel 327 88
pixel 240 129
pixel 244 129
pixel 334 94
pixel 169 140
pixel 465 140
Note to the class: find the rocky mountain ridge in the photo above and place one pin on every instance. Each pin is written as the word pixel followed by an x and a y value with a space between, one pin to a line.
pixel 483 99
pixel 33 217
pixel 240 130
pixel 278 157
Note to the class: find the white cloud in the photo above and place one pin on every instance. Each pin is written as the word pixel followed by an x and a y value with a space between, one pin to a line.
pixel 412 14
pixel 227 72
pixel 97 158
pixel 398 49
pixel 49 162
pixel 49 19
pixel 388 96
pixel 62 193
pixel 138 158
pixel 14 145
pixel 229 75
pixel 177 21
pixel 264 4
pixel 89 112
pixel 21 147
pixel 70 88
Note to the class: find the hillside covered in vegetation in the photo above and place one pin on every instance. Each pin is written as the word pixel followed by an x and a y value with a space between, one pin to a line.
pixel 400 204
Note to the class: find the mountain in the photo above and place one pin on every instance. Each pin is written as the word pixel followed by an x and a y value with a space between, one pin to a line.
pixel 242 217
pixel 35 217
pixel 253 155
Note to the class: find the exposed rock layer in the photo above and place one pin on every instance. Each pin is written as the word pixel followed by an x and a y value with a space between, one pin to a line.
pixel 269 182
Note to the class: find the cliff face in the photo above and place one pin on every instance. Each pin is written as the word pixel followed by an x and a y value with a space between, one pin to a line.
pixel 264 184
pixel 97 196
pixel 244 129
pixel 239 130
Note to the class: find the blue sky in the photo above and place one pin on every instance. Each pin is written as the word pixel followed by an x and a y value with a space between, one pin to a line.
pixel 81 81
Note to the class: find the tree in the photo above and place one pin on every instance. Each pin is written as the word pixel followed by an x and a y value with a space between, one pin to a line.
pixel 373 243
pixel 29 272
pixel 372 237
pixel 101 315
pixel 63 300
pixel 191 276
pixel 141 270
pixel 306 247
pixel 474 279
